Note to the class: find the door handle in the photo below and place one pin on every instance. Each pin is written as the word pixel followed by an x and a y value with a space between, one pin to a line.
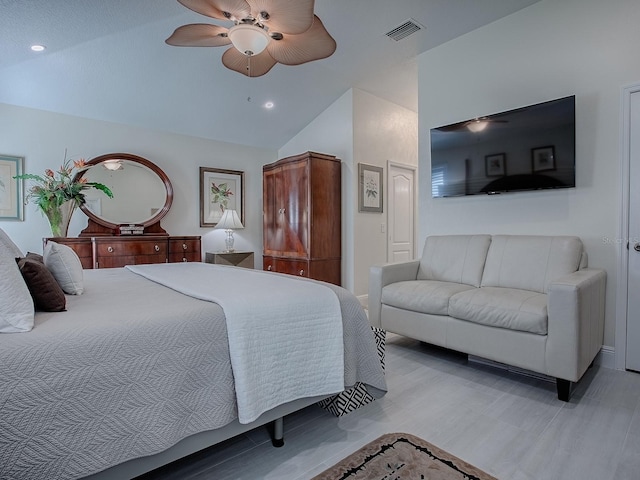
pixel 636 247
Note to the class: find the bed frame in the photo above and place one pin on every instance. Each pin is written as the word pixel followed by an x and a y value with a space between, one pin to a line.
pixel 202 440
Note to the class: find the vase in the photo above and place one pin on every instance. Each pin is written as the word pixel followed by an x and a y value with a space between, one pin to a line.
pixel 59 218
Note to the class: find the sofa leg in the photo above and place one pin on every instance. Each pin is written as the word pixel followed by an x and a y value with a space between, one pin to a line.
pixel 564 389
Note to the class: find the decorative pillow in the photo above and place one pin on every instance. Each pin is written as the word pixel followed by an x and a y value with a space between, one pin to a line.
pixel 45 291
pixel 16 305
pixel 35 256
pixel 13 248
pixel 65 266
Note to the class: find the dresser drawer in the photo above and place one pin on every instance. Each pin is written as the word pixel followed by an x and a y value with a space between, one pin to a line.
pixel 135 247
pixel 184 249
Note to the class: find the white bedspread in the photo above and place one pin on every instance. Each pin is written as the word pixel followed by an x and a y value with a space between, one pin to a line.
pixel 270 321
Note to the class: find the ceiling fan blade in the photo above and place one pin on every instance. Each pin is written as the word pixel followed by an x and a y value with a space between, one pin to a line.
pixel 314 44
pixel 199 35
pixel 253 66
pixel 220 9
pixel 291 17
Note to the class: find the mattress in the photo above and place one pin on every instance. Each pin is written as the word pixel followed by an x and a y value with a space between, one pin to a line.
pixel 130 368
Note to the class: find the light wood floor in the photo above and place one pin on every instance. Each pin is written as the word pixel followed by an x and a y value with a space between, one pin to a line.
pixel 510 425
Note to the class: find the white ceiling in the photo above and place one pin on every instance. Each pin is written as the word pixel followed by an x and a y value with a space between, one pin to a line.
pixel 107 60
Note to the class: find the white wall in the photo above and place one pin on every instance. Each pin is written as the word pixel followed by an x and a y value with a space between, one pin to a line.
pixel 42 137
pixel 360 128
pixel 332 133
pixel 551 49
pixel 383 131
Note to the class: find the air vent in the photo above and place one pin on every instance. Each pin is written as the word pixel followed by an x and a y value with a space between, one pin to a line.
pixel 403 31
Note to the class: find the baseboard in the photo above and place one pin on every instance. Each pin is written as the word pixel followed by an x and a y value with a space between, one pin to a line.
pixel 364 300
pixel 606 358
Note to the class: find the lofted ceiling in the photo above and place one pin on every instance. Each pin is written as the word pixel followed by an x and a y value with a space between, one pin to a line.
pixel 107 60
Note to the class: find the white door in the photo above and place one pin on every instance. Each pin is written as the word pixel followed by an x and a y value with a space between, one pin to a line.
pixel 401 212
pixel 633 282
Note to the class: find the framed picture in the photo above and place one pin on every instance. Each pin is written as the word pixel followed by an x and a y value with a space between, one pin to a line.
pixel 220 190
pixel 543 158
pixel 11 190
pixel 369 188
pixel 495 165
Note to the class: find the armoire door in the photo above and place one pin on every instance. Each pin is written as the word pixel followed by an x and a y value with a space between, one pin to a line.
pixel 294 213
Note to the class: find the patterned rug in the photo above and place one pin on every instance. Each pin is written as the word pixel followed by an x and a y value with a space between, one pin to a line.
pixel 400 456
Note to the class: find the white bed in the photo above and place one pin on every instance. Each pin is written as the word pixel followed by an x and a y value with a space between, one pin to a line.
pixel 135 374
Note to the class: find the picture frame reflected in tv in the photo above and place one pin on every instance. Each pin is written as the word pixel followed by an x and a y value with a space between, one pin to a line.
pixel 537 141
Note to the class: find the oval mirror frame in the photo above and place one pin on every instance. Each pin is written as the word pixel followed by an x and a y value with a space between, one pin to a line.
pixel 155 219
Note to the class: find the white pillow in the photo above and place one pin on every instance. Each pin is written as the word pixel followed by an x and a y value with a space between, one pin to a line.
pixel 13 248
pixel 16 306
pixel 65 266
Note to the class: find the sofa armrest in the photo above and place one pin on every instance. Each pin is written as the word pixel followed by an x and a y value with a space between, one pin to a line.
pixel 382 275
pixel 576 322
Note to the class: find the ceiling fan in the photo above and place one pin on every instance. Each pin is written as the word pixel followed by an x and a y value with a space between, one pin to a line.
pixel 474 125
pixel 264 32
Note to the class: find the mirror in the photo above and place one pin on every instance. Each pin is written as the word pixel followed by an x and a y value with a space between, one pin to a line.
pixel 142 192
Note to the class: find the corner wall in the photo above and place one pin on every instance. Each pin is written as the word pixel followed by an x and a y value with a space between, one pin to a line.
pixel 360 128
pixel 42 137
pixel 551 49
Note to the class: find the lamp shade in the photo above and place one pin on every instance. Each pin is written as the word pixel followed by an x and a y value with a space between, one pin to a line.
pixel 249 39
pixel 230 220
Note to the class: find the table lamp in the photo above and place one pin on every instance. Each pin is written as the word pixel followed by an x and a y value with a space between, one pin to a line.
pixel 230 221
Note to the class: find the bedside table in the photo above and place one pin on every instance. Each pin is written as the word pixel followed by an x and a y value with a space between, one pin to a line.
pixel 236 259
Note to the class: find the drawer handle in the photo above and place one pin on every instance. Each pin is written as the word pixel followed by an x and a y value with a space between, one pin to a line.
pixel 269 268
pixel 184 246
pixel 156 248
pixel 110 249
pixel 301 273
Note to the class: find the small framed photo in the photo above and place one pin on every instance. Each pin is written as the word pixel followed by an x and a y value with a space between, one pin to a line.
pixel 11 189
pixel 543 158
pixel 220 190
pixel 370 188
pixel 495 165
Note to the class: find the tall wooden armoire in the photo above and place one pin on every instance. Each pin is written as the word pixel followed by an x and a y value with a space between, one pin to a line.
pixel 302 216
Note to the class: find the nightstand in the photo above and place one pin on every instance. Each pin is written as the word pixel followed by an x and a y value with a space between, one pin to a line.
pixel 236 259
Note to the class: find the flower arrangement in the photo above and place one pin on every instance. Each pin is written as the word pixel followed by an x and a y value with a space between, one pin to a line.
pixel 55 190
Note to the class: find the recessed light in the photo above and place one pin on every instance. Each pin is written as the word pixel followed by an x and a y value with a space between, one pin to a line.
pixel 269 105
pixel 38 48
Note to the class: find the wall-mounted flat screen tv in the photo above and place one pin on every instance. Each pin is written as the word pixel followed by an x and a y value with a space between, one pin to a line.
pixel 530 148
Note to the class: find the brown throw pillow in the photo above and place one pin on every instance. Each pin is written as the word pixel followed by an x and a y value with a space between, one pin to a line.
pixel 45 291
pixel 35 256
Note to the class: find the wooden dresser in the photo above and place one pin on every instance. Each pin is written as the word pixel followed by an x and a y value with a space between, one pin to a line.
pixel 118 251
pixel 302 216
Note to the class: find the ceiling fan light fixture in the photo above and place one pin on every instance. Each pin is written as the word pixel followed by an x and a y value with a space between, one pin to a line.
pixel 249 39
pixel 477 125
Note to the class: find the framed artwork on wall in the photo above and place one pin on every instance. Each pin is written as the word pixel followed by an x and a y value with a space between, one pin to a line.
pixel 543 158
pixel 495 165
pixel 220 189
pixel 370 188
pixel 11 189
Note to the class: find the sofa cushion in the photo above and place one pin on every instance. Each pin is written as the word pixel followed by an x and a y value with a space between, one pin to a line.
pixel 423 296
pixel 454 258
pixel 510 308
pixel 530 262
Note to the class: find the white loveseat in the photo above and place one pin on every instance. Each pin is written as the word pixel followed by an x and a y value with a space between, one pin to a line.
pixel 526 301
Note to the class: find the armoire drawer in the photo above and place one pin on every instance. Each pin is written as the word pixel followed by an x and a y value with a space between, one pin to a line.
pixel 299 268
